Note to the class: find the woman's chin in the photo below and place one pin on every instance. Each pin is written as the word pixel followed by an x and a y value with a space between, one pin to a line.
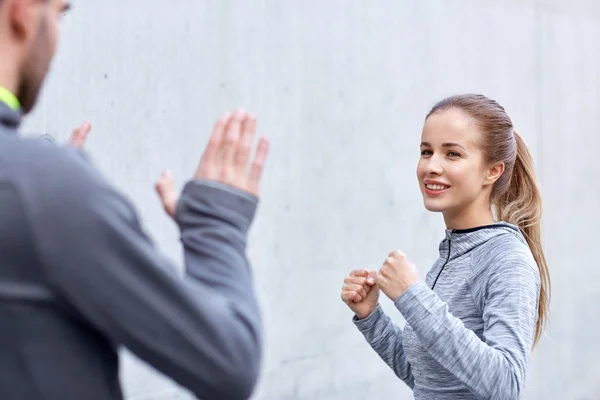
pixel 434 206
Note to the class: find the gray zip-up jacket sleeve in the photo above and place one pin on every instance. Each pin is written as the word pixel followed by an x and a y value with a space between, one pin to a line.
pixel 385 337
pixel 203 329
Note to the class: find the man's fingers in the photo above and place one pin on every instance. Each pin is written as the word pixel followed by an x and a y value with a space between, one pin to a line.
pixel 230 145
pixel 245 147
pixel 228 153
pixel 165 187
pixel 208 167
pixel 83 131
pixel 257 166
pixel 80 134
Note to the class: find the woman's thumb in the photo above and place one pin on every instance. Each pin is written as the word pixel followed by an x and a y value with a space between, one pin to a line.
pixel 372 281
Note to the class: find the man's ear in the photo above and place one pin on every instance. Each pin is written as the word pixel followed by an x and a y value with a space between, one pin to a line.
pixel 22 17
pixel 493 173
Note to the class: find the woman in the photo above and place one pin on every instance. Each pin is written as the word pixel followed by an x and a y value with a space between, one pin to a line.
pixel 471 325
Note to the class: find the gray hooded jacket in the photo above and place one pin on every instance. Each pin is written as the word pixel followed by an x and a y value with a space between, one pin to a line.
pixel 470 326
pixel 80 279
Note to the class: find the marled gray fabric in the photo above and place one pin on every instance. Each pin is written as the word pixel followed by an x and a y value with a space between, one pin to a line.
pixel 470 336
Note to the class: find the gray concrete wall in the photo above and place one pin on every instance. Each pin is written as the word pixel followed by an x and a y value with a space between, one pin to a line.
pixel 342 87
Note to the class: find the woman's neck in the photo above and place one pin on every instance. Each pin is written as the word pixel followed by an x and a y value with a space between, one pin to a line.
pixel 469 219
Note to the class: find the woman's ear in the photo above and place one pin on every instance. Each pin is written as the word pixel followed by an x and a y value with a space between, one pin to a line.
pixel 494 173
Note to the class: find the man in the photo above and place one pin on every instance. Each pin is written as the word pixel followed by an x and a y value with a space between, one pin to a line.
pixel 78 276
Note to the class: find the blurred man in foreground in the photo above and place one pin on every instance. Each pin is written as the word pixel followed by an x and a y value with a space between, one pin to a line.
pixel 79 277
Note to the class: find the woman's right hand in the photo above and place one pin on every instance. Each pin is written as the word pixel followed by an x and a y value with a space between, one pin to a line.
pixel 360 292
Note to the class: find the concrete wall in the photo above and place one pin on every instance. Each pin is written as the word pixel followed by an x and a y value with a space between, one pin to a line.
pixel 342 87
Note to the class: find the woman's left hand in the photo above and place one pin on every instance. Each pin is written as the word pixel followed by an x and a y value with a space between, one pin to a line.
pixel 396 275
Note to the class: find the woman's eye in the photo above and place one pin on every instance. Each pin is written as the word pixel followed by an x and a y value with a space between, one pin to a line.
pixel 426 152
pixel 453 154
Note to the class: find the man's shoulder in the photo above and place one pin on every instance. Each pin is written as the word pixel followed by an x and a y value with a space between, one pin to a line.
pixel 44 170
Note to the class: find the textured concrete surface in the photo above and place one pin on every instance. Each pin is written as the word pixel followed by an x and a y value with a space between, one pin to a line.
pixel 342 87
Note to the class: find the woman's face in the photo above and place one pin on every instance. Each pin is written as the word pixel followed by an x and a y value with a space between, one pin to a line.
pixel 451 171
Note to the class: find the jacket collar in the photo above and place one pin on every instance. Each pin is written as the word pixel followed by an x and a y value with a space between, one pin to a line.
pixel 461 241
pixel 9 118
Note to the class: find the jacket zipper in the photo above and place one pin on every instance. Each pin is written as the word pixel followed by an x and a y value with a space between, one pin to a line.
pixel 443 266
